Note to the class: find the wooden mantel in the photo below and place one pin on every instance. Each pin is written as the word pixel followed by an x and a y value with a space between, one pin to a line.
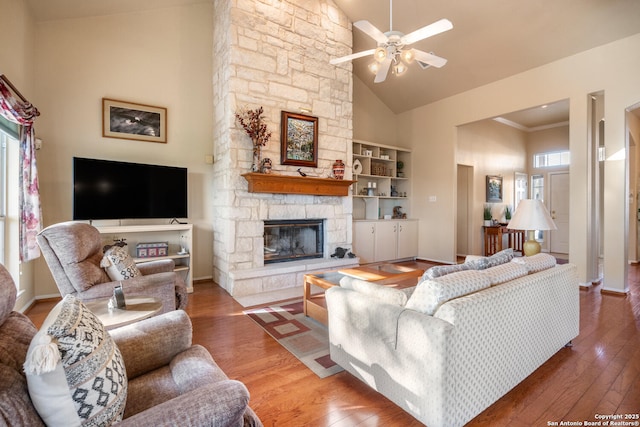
pixel 285 184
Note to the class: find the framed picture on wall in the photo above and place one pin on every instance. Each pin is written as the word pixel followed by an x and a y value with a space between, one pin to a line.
pixel 126 120
pixel 299 140
pixel 494 189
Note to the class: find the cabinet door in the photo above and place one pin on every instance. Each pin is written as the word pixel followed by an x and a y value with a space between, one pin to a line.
pixel 407 239
pixel 386 240
pixel 364 240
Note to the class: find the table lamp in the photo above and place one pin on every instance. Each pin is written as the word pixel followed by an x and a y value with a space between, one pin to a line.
pixel 531 215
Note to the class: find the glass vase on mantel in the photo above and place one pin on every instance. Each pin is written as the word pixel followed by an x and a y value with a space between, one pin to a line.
pixel 338 169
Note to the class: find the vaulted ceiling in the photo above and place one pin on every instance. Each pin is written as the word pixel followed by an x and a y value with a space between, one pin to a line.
pixel 490 39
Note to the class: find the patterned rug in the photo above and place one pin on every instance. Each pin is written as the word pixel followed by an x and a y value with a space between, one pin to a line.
pixel 302 336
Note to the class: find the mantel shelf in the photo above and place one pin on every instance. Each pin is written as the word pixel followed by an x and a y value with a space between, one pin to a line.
pixel 285 184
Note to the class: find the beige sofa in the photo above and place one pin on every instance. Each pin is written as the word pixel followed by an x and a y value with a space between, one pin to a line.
pixel 445 358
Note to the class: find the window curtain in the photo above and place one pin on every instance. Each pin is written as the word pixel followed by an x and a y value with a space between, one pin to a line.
pixel 22 112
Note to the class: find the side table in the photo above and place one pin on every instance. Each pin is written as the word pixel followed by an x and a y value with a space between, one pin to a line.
pixel 138 308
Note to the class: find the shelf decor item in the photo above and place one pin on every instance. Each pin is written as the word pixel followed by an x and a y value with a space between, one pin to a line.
pixel 487 215
pixel 338 169
pixel 357 167
pixel 252 121
pixel 299 140
pixel 266 165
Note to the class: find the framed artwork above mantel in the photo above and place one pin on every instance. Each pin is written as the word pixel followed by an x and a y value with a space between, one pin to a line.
pixel 299 140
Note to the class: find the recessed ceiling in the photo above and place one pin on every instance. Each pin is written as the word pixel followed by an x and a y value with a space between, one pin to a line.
pixel 538 118
pixel 490 40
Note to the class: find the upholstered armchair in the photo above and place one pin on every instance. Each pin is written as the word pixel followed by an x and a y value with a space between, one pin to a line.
pixel 170 381
pixel 73 252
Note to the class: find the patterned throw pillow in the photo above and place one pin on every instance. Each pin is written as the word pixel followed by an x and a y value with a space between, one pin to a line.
pixel 431 294
pixel 119 264
pixel 388 294
pixel 538 262
pixel 505 272
pixel 443 270
pixel 75 372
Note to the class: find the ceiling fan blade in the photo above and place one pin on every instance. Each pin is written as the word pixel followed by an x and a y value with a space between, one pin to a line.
pixel 381 75
pixel 352 56
pixel 368 28
pixel 428 31
pixel 429 58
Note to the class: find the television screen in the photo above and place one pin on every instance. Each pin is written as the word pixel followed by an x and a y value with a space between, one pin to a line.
pixel 105 189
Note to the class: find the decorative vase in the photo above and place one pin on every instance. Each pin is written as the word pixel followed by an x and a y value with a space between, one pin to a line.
pixel 266 165
pixel 338 169
pixel 257 158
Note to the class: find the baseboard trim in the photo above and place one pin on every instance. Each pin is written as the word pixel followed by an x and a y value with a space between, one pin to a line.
pixel 614 293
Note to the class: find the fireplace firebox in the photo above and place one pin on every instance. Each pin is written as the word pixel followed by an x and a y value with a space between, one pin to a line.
pixel 290 240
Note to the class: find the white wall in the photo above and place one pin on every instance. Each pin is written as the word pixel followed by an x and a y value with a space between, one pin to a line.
pixel 159 57
pixel 491 148
pixel 373 121
pixel 431 129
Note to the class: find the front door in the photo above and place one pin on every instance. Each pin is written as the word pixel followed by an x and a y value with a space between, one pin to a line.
pixel 559 209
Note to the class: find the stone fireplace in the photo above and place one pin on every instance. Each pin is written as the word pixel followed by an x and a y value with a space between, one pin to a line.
pixel 276 55
pixel 292 240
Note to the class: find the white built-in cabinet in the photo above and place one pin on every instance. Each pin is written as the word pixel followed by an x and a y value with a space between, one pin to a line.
pixel 380 186
pixel 178 236
pixel 385 240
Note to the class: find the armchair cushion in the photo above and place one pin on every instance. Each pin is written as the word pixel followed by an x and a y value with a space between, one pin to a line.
pixel 75 372
pixel 118 264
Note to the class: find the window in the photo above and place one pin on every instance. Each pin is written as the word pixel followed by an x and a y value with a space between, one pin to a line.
pixel 9 159
pixel 548 160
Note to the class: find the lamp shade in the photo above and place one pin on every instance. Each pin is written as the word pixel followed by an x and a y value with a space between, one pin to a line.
pixel 531 215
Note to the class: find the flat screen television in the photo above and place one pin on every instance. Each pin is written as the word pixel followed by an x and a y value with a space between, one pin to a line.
pixel 105 189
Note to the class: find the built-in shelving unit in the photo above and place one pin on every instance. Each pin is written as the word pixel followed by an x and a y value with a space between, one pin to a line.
pixel 178 236
pixel 380 185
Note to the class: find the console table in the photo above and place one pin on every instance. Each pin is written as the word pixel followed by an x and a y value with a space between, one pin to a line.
pixel 493 239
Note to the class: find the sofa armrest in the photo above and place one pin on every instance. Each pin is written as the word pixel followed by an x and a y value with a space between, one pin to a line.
pixel 152 343
pixel 219 404
pixel 158 266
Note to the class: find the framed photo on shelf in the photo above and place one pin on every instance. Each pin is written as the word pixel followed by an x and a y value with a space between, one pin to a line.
pixel 126 120
pixel 494 189
pixel 299 140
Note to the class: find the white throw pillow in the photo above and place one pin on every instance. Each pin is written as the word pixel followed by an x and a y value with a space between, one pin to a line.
pixel 505 272
pixel 75 372
pixel 538 262
pixel 119 264
pixel 431 294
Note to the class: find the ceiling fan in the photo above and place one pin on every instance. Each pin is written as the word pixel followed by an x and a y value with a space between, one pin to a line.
pixel 392 51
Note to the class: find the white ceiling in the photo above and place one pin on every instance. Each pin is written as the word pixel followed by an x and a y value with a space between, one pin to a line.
pixel 490 39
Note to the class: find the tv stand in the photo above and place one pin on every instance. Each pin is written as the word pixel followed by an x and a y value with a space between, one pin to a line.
pixel 179 236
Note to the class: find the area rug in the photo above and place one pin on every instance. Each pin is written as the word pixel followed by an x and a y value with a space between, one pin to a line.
pixel 302 336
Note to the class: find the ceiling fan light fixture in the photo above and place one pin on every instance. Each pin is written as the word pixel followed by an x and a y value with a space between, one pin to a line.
pixel 407 56
pixel 399 68
pixel 380 54
pixel 374 67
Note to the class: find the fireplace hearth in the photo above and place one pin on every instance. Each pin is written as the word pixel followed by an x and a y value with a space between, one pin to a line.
pixel 292 240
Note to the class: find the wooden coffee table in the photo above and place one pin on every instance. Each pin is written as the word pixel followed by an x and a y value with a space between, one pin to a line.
pixel 387 274
pixel 138 308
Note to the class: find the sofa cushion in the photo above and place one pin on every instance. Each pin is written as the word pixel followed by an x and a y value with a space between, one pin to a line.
pixel 443 270
pixel 75 372
pixel 505 272
pixel 538 262
pixel 387 293
pixel 119 264
pixel 429 295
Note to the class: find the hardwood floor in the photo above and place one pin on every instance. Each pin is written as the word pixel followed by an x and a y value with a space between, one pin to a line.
pixel 600 374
